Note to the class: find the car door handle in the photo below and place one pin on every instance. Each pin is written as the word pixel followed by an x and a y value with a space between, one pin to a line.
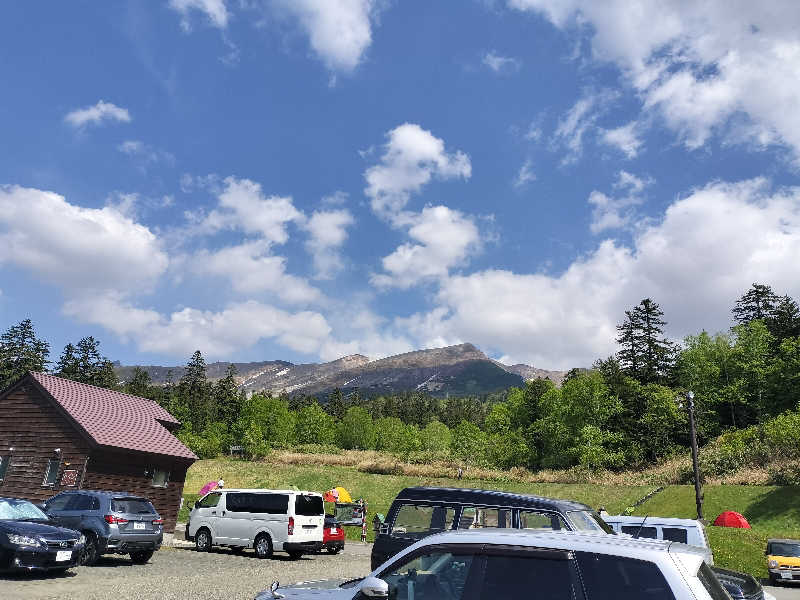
pixel 223 513
pixel 213 512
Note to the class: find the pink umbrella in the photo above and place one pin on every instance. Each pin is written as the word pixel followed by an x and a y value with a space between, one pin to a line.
pixel 211 485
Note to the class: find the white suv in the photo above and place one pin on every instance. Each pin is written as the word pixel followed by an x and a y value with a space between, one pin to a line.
pixel 266 520
pixel 503 563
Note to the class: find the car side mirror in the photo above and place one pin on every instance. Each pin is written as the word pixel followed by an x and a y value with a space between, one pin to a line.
pixel 372 587
pixel 197 503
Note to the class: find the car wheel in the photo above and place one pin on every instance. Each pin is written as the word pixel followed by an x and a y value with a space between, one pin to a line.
pixel 91 551
pixel 263 546
pixel 140 558
pixel 773 580
pixel 202 540
pixel 334 550
pixel 295 554
pixel 59 572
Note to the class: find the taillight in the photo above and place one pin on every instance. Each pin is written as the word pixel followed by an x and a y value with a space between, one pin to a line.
pixel 112 520
pixel 291 525
pixel 158 521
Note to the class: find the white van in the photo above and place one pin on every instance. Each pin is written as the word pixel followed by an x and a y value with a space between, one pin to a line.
pixel 265 520
pixel 685 531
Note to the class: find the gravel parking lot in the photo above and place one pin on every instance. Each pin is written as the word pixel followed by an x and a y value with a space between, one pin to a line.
pixel 184 574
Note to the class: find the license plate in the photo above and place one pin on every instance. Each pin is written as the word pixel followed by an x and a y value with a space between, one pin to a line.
pixel 138 525
pixel 63 555
pixel 334 530
pixel 786 574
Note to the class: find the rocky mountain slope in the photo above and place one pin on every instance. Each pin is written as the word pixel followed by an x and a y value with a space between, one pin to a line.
pixel 451 371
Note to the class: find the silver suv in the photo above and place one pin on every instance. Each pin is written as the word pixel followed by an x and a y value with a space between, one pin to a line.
pixel 503 563
pixel 113 523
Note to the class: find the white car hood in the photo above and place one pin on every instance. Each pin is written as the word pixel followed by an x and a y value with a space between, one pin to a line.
pixel 318 590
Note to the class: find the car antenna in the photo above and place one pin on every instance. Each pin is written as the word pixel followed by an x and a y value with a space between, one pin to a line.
pixel 639 531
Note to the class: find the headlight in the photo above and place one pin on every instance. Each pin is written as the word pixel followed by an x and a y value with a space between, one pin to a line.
pixel 82 539
pixel 23 540
pixel 772 564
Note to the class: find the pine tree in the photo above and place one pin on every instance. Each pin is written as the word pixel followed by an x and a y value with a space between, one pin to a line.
pixel 758 302
pixel 227 397
pixel 21 351
pixel 139 383
pixel 195 394
pixel 784 322
pixel 85 364
pixel 629 353
pixel 336 404
pixel 67 365
pixel 645 354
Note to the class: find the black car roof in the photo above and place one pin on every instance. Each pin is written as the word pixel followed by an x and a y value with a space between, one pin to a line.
pixel 487 497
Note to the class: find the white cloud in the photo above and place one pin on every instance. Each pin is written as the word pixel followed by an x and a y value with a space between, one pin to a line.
pixel 412 156
pixel 251 268
pixel 327 231
pixel 94 115
pixel 217 334
pixel 77 248
pixel 145 153
pixel 617 212
pixel 339 31
pixel 625 138
pixel 706 251
pixel 214 10
pixel 525 175
pixel 499 63
pixel 579 120
pixel 444 238
pixel 243 206
pixel 701 66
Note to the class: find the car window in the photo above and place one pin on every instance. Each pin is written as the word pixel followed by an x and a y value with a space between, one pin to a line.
pixel 711 583
pixel 434 576
pixel 308 506
pixel 136 506
pixel 80 502
pixel 527 577
pixel 209 501
pixel 675 534
pixel 588 520
pixel 537 520
pixel 611 577
pixel 476 518
pixel 646 532
pixel 416 520
pixel 57 503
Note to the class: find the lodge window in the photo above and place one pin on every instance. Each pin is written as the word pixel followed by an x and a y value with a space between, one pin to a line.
pixel 4 460
pixel 160 478
pixel 51 473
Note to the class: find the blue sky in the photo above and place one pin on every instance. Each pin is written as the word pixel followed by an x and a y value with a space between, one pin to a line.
pixel 306 179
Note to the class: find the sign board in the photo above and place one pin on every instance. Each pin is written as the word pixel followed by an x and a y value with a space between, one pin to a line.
pixel 69 478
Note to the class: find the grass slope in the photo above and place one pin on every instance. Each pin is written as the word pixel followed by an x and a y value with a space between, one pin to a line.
pixel 772 511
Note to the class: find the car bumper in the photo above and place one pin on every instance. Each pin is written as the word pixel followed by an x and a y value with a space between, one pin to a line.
pixel 302 546
pixel 38 559
pixel 794 574
pixel 133 543
pixel 334 545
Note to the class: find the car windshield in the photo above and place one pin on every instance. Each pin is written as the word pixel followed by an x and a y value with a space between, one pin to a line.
pixel 784 549
pixel 20 510
pixel 588 520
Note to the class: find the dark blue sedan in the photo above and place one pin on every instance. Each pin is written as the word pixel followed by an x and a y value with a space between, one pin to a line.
pixel 29 543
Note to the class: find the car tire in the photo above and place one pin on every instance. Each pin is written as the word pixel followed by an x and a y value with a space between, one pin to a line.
pixel 295 554
pixel 202 540
pixel 263 546
pixel 59 572
pixel 91 550
pixel 773 580
pixel 141 558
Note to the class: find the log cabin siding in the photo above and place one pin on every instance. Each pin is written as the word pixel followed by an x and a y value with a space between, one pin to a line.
pixel 125 472
pixel 34 428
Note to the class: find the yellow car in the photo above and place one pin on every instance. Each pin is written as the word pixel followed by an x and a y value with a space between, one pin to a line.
pixel 783 560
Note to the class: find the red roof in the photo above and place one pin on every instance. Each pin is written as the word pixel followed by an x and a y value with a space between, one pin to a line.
pixel 114 419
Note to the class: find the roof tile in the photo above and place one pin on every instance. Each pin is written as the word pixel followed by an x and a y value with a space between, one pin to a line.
pixel 115 419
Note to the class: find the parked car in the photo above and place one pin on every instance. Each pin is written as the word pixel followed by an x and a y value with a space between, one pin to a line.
pixel 112 522
pixel 490 564
pixel 741 586
pixel 783 560
pixel 685 531
pixel 333 535
pixel 266 520
pixel 421 511
pixel 30 542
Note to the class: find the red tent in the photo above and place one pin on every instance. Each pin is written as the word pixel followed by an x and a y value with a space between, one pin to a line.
pixel 731 519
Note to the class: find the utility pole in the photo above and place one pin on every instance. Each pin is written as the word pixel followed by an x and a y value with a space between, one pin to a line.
pixel 698 490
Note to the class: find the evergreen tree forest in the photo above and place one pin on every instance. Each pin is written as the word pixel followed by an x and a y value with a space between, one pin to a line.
pixel 627 411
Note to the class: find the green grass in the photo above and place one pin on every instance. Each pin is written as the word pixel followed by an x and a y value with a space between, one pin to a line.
pixel 773 511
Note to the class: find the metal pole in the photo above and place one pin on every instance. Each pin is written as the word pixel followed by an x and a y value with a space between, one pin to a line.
pixel 698 490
